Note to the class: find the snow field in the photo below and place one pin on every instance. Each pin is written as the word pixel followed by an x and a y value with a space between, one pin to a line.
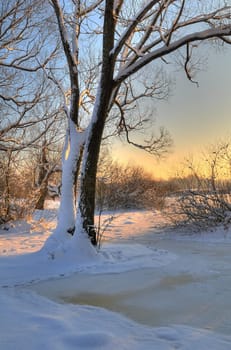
pixel 33 288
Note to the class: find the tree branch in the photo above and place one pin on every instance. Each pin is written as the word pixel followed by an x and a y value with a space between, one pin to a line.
pixel 165 50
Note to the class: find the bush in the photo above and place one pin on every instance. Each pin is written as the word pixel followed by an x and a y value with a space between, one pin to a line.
pixel 127 187
pixel 205 199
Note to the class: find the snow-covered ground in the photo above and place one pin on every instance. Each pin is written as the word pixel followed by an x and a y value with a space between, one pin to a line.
pixel 148 289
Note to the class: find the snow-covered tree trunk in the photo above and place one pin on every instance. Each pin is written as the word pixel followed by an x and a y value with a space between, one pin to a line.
pixel 75 137
pixel 86 202
pixel 71 159
pixel 72 154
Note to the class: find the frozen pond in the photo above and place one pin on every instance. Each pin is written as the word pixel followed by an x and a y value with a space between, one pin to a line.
pixel 193 290
pixel 157 277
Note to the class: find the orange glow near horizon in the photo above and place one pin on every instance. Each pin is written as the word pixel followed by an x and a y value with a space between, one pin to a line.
pixel 159 169
pixel 196 117
pixel 175 164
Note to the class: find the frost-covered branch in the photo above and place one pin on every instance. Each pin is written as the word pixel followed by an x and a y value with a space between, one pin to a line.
pixel 166 50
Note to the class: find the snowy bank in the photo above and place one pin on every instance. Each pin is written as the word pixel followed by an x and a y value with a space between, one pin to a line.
pixel 138 269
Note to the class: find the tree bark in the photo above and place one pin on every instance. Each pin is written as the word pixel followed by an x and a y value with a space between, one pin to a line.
pixel 86 203
pixel 42 181
pixel 42 196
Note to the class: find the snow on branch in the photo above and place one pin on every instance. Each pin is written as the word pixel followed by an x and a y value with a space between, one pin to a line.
pixel 63 33
pixel 219 15
pixel 222 32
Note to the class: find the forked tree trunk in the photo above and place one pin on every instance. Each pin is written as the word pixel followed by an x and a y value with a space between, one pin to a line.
pixel 86 203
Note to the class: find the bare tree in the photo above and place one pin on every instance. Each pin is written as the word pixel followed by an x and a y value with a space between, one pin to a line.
pixel 28 46
pixel 128 37
pixel 47 154
pixel 125 37
pixel 16 186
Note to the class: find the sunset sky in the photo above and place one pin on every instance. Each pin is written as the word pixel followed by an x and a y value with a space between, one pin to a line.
pixel 195 116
